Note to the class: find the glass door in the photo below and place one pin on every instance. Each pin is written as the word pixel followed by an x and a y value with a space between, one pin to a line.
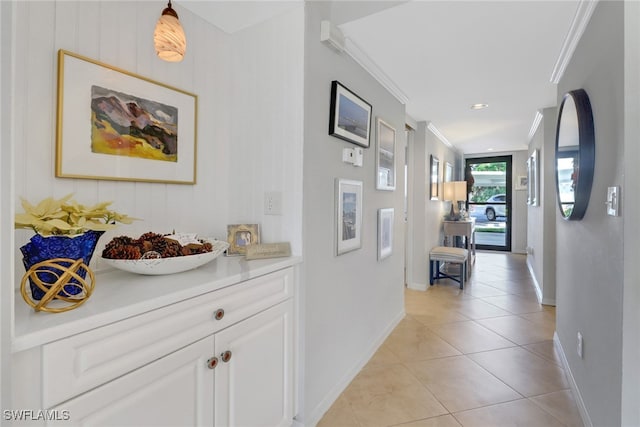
pixel 489 201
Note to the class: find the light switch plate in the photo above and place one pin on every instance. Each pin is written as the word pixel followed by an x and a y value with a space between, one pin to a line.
pixel 273 203
pixel 613 201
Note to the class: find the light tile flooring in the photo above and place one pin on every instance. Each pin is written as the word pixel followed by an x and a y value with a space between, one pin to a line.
pixel 479 357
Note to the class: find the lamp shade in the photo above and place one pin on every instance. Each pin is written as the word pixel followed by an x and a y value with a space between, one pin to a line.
pixel 169 38
pixel 460 190
pixel 449 191
pixel 455 191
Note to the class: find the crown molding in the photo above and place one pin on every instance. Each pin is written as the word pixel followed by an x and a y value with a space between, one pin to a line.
pixel 434 130
pixel 580 20
pixel 534 126
pixel 358 55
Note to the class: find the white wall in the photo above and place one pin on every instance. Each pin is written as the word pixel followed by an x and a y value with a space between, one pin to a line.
pixel 352 301
pixel 6 200
pixel 589 269
pixel 427 214
pixel 266 131
pixel 541 224
pixel 630 207
pixel 249 88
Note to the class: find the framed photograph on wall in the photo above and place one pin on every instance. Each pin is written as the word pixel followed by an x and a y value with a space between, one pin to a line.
pixel 433 180
pixel 240 236
pixel 117 125
pixel 448 172
pixel 348 215
pixel 385 156
pixel 532 179
pixel 349 116
pixel 385 232
pixel 521 181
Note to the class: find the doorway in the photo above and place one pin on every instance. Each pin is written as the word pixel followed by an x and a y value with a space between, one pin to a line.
pixel 489 201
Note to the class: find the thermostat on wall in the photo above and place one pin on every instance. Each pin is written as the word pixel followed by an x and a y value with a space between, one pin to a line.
pixel 353 156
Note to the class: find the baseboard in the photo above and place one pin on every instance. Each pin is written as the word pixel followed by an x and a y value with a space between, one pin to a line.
pixel 548 301
pixel 535 281
pixel 317 413
pixel 541 299
pixel 586 420
pixel 418 286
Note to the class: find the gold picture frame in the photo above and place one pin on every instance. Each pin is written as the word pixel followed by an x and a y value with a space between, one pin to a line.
pixel 240 236
pixel 116 125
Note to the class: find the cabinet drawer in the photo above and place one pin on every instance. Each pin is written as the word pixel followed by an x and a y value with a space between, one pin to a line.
pixel 81 362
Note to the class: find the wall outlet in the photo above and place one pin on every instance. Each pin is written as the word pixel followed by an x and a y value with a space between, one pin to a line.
pixel 273 203
pixel 580 344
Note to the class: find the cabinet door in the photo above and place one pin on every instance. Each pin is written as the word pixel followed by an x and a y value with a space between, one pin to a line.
pixel 176 390
pixel 255 386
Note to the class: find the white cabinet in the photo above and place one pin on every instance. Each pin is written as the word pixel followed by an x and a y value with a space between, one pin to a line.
pixel 176 390
pixel 223 358
pixel 241 376
pixel 255 387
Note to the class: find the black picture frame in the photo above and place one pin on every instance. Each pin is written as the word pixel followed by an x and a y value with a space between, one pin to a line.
pixel 349 116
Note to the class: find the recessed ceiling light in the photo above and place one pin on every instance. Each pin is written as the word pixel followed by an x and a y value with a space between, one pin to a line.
pixel 489 149
pixel 479 106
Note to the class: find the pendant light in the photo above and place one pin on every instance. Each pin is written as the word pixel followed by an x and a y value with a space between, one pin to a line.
pixel 168 37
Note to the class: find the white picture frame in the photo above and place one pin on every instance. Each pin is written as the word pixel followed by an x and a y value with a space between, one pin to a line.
pixel 522 181
pixel 434 179
pixel 532 179
pixel 385 156
pixel 448 172
pixel 385 232
pixel 348 215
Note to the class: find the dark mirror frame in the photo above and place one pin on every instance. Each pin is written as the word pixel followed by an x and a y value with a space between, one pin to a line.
pixel 586 153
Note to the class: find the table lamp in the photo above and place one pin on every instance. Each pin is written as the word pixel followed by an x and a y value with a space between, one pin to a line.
pixel 455 191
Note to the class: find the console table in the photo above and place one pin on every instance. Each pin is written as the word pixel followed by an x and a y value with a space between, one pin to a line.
pixel 466 228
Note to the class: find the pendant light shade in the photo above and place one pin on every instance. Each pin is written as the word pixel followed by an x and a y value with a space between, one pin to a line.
pixel 168 37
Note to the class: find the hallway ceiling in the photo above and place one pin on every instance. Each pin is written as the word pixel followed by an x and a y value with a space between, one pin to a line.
pixel 445 56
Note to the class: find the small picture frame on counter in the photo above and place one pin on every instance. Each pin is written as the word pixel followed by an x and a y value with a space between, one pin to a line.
pixel 241 236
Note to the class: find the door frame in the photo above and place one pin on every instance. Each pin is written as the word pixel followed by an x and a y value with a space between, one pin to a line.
pixel 508 159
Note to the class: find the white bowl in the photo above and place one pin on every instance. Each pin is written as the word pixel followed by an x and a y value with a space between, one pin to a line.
pixel 159 266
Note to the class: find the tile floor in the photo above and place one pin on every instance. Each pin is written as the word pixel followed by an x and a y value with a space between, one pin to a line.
pixel 479 357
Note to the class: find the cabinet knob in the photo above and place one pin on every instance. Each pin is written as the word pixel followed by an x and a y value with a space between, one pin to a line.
pixel 219 314
pixel 226 356
pixel 212 363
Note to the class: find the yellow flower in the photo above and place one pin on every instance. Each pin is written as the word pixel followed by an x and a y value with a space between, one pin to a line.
pixel 66 216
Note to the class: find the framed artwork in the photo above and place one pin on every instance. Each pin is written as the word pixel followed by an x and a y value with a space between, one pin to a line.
pixel 532 179
pixel 240 236
pixel 349 215
pixel 349 116
pixel 521 181
pixel 433 181
pixel 448 172
pixel 117 125
pixel 385 156
pixel 385 232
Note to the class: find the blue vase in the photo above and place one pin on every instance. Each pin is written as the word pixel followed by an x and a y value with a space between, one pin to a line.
pixel 42 248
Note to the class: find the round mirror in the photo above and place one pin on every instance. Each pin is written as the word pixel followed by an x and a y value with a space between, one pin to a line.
pixel 575 154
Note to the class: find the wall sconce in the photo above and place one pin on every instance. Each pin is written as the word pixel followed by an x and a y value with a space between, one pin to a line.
pixel 169 38
pixel 455 191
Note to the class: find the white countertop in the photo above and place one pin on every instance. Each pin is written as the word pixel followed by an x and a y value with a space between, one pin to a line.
pixel 119 295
